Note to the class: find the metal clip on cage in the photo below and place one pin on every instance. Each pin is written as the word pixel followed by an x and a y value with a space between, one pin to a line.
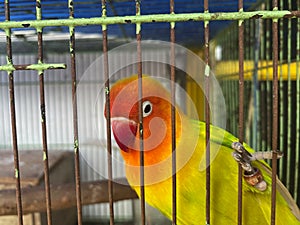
pixel 252 175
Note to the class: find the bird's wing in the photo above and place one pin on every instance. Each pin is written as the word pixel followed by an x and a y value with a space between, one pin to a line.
pixel 285 194
pixel 227 141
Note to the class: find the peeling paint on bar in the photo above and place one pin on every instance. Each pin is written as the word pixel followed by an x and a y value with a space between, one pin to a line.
pixel 241 22
pixel 207 70
pixel 8 32
pixel 138 28
pixel 38 10
pixel 16 173
pixel 106 90
pixel 38 24
pixel 71 33
pixel 104 27
pixel 76 145
pixel 44 156
pixel 241 10
pixel 206 22
pixel 172 25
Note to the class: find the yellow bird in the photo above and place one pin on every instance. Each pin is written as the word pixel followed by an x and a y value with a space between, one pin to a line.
pixel 190 152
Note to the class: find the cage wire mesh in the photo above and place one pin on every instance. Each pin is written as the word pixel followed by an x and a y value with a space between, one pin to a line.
pixel 47 47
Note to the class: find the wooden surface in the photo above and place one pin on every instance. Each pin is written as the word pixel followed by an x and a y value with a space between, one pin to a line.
pixel 31 166
pixel 61 167
pixel 63 196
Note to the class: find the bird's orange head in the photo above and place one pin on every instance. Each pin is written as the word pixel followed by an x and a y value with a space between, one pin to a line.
pixel 156 126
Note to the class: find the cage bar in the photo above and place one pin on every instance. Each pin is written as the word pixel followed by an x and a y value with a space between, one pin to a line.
pixel 207 114
pixel 255 91
pixel 39 66
pixel 297 106
pixel 268 83
pixel 183 17
pixel 173 116
pixel 107 112
pixel 75 115
pixel 43 115
pixel 268 78
pixel 241 109
pixel 140 107
pixel 260 99
pixel 13 117
pixel 275 113
pixel 282 163
pixel 290 152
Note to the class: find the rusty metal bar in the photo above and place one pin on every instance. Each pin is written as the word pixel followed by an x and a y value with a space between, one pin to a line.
pixel 290 149
pixel 268 83
pixel 140 106
pixel 107 112
pixel 43 115
pixel 282 117
pixel 13 118
pixel 297 146
pixel 241 109
pixel 207 113
pixel 75 116
pixel 275 114
pixel 173 116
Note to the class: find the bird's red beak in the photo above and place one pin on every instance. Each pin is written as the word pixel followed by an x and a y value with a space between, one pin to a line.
pixel 124 131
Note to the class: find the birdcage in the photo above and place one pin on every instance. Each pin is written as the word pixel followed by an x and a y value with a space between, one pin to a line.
pixel 59 161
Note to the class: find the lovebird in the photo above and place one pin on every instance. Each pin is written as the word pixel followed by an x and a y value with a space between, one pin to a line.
pixel 190 152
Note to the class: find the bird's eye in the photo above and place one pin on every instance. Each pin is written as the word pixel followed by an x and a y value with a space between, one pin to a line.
pixel 147 108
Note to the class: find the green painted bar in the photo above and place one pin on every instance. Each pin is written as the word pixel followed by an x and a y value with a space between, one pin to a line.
pixel 38 24
pixel 39 67
pixel 7 67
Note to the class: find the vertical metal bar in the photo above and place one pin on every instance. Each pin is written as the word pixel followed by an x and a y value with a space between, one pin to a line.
pixel 234 85
pixel 258 92
pixel 140 105
pixel 75 116
pixel 263 86
pixel 241 110
pixel 275 113
pixel 207 113
pixel 232 106
pixel 297 147
pixel 173 117
pixel 282 163
pixel 108 124
pixel 268 76
pixel 13 118
pixel 255 89
pixel 290 153
pixel 43 115
pixel 229 56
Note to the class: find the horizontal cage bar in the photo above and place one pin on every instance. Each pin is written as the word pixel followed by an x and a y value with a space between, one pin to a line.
pixel 206 16
pixel 39 67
